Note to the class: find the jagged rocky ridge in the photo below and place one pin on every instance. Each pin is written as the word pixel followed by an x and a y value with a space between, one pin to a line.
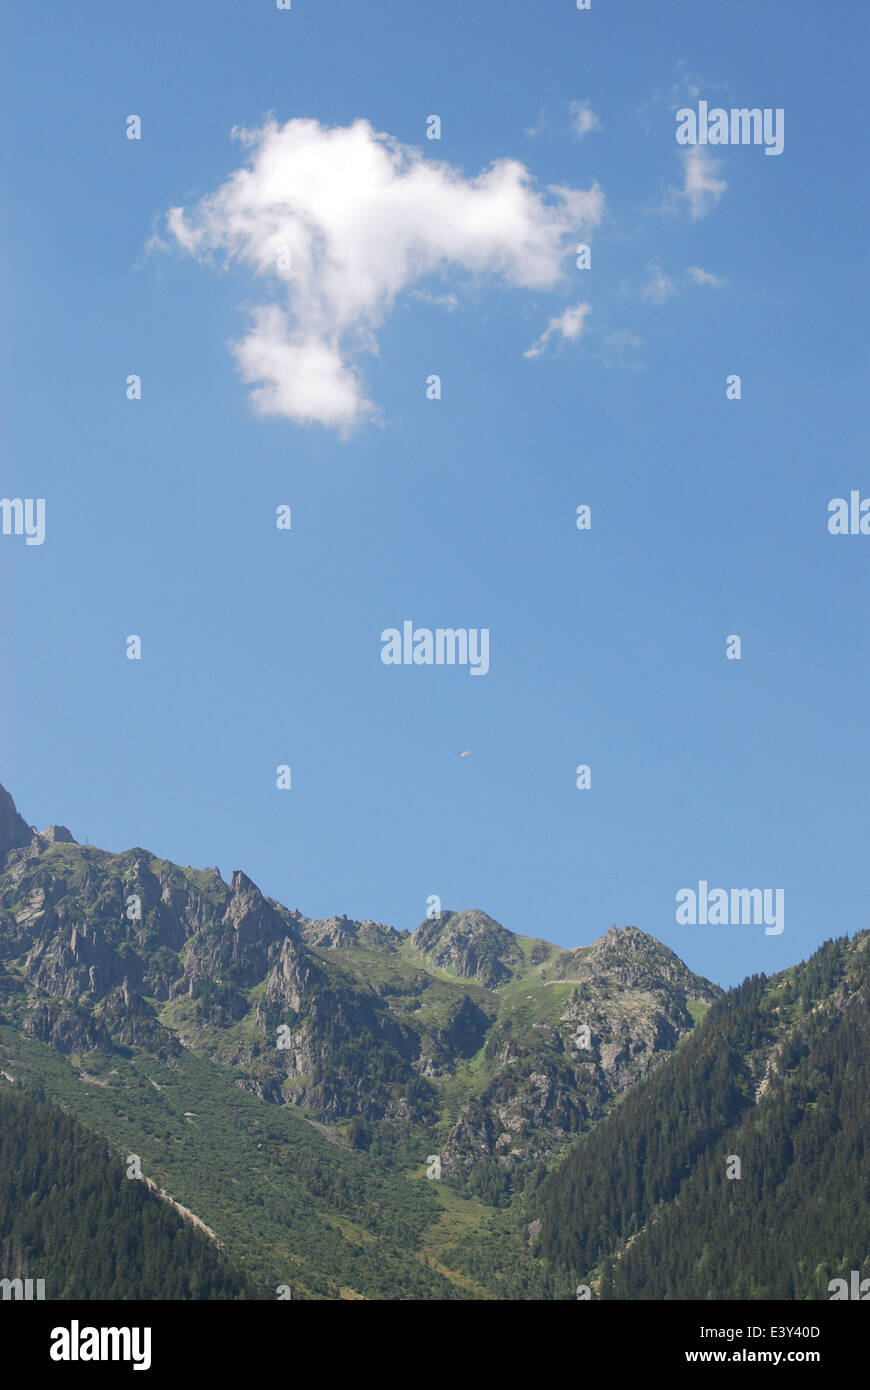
pixel 461 1028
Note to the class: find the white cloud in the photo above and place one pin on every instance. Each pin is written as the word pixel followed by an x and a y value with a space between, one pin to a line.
pixel 701 189
pixel 342 220
pixel 303 378
pixel 583 119
pixel 659 287
pixel 568 325
pixel 704 277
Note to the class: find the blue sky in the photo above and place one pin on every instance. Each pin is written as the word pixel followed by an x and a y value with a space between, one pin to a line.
pixel 262 647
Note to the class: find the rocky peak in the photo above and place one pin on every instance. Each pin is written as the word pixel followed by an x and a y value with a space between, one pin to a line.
pixel 472 944
pixel 57 835
pixel 633 959
pixel 241 884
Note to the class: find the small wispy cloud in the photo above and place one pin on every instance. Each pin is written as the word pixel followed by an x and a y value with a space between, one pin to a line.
pixel 583 119
pixel 619 348
pixel 544 120
pixel 659 286
pixel 704 277
pixel 685 88
pixel 566 327
pixel 441 301
pixel 701 188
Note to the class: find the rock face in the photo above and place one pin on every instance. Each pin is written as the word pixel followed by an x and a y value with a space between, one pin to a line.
pixel 483 1044
pixel 14 832
pixel 67 1028
pixel 333 933
pixel 624 1006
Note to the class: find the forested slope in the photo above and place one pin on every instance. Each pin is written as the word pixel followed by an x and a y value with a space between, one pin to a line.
pixel 777 1076
pixel 71 1216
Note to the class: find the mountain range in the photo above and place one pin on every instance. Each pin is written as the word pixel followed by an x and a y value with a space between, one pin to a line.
pixel 345 1109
